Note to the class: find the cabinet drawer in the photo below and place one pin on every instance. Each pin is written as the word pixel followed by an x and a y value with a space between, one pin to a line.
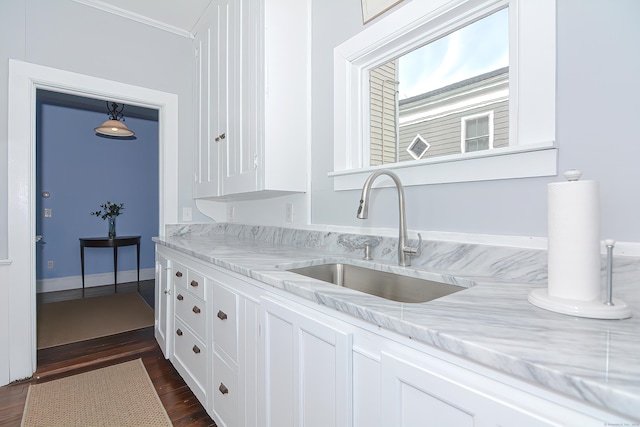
pixel 225 320
pixel 180 273
pixel 186 278
pixel 195 284
pixel 191 356
pixel 191 311
pixel 225 392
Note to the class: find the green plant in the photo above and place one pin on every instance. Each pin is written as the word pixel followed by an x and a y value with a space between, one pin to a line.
pixel 109 210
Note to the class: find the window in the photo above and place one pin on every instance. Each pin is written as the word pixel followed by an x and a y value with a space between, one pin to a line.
pixel 477 133
pixel 529 151
pixel 428 90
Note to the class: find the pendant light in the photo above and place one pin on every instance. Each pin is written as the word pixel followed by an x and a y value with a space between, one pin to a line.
pixel 113 126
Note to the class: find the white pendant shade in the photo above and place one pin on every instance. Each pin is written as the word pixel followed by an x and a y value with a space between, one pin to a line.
pixel 114 128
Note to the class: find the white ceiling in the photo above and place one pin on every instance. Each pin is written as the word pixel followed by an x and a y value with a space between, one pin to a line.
pixel 179 14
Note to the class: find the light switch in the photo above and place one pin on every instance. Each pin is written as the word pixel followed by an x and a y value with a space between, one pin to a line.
pixel 47 212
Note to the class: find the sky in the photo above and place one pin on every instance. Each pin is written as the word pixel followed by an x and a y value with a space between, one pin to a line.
pixel 475 49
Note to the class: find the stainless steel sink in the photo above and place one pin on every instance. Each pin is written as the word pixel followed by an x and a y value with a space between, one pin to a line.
pixel 391 286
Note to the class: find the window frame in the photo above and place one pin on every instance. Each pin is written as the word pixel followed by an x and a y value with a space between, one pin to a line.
pixel 463 130
pixel 532 92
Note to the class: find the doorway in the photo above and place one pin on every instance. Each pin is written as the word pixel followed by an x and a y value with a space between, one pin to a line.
pixel 77 169
pixel 24 80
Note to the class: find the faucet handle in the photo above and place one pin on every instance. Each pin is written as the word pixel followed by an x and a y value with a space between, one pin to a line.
pixel 414 251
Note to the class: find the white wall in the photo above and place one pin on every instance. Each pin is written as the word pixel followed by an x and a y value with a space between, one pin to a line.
pixel 71 36
pixel 597 93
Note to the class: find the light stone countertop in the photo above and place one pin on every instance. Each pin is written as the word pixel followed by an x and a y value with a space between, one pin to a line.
pixel 491 322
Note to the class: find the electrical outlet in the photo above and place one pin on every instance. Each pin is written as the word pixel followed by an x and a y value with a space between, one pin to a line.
pixel 289 215
pixel 231 213
pixel 187 214
pixel 49 265
pixel 47 212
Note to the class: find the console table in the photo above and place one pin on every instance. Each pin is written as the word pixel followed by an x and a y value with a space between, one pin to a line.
pixel 115 243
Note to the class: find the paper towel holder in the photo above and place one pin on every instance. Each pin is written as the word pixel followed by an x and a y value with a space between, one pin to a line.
pixel 591 309
pixel 611 309
pixel 571 292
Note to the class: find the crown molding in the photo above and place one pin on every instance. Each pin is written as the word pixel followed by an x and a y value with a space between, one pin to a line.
pixel 105 7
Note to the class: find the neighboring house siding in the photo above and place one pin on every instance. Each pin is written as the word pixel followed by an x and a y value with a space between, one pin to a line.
pixel 383 105
pixel 501 125
pixel 444 133
pixel 436 116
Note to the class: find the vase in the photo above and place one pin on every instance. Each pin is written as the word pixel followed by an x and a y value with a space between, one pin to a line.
pixel 112 226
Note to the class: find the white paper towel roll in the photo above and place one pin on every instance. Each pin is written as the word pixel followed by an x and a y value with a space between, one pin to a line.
pixel 574 240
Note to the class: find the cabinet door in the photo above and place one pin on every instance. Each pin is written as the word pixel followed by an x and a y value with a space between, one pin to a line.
pixel 243 45
pixel 427 391
pixel 307 367
pixel 206 98
pixel 162 304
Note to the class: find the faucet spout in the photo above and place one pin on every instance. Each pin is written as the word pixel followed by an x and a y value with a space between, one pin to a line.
pixel 404 252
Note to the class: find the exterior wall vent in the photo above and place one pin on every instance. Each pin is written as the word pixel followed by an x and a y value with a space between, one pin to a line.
pixel 418 147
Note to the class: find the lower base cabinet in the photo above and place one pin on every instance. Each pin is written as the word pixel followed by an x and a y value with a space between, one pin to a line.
pixel 265 357
pixel 307 367
pixel 226 393
pixel 190 359
pixel 431 392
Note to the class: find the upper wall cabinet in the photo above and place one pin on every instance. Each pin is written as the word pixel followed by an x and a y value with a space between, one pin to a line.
pixel 252 102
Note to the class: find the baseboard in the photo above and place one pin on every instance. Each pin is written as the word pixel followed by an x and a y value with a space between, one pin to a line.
pixel 90 280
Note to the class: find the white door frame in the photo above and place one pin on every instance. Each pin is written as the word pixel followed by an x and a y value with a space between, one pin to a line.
pixel 24 79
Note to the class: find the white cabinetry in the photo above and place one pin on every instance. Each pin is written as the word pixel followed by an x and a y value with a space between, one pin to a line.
pixel 162 304
pixel 252 103
pixel 423 390
pixel 189 342
pixel 259 356
pixel 234 308
pixel 307 367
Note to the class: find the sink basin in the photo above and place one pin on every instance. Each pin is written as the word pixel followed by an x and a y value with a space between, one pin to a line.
pixel 391 286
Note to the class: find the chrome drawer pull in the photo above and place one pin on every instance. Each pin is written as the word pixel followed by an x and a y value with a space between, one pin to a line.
pixel 222 315
pixel 179 332
pixel 195 349
pixel 223 389
pixel 180 297
pixel 178 273
pixel 194 283
pixel 196 309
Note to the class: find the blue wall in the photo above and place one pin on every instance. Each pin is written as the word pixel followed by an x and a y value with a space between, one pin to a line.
pixel 81 170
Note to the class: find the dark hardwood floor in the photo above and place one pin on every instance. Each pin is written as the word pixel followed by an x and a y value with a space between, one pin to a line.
pixel 58 362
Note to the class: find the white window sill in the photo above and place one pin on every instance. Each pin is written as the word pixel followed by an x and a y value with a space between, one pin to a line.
pixel 532 160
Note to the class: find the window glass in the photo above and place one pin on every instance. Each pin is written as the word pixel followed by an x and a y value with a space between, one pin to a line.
pixel 430 90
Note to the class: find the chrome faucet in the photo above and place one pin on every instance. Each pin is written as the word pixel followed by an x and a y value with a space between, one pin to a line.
pixel 404 252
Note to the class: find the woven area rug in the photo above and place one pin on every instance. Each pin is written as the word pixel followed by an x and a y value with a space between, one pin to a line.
pixel 120 395
pixel 64 322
